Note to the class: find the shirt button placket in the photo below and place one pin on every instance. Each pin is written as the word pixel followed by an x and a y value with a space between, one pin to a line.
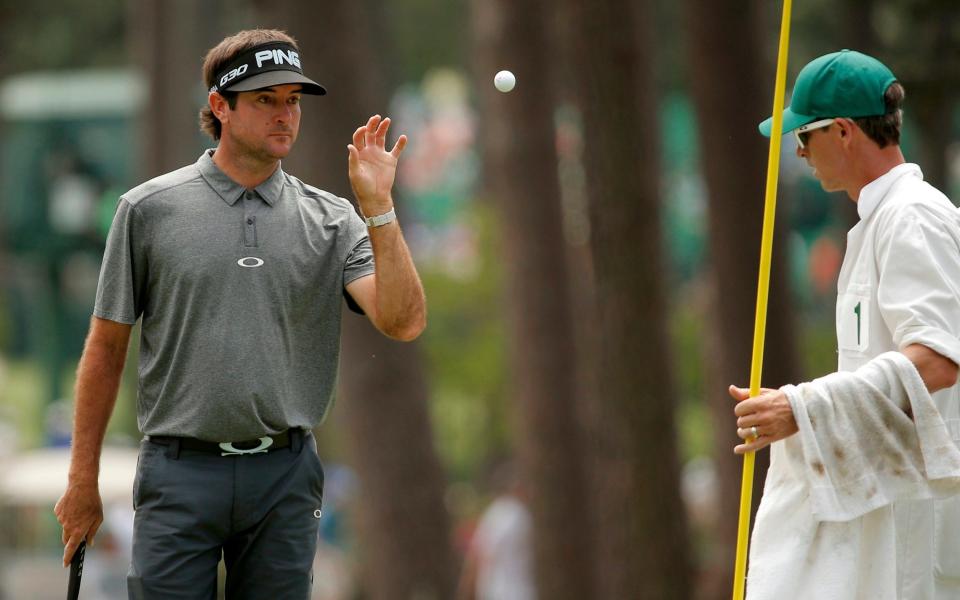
pixel 249 220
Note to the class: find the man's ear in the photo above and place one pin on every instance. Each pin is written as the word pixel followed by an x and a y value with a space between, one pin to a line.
pixel 847 127
pixel 218 104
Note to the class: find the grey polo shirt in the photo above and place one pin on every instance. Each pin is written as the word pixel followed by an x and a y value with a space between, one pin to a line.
pixel 239 294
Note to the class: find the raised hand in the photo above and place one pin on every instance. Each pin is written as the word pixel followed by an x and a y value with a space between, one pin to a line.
pixel 372 168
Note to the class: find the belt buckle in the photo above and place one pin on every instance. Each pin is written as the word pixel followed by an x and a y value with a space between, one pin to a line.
pixel 229 450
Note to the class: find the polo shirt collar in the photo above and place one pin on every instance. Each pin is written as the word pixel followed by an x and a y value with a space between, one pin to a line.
pixel 874 192
pixel 270 189
pixel 230 190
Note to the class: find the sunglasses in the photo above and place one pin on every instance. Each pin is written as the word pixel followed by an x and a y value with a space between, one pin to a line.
pixel 802 132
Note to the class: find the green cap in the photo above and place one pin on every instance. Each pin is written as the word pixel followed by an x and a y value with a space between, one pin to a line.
pixel 841 84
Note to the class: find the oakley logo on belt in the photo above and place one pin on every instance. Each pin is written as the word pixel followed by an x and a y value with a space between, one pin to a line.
pixel 229 450
pixel 250 262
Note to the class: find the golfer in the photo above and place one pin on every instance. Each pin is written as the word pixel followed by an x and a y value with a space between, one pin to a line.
pixel 859 501
pixel 237 272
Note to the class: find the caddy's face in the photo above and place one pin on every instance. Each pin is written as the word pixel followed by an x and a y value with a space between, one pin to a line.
pixel 822 153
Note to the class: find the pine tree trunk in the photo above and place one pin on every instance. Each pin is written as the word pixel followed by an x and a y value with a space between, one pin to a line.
pixel 732 92
pixel 642 532
pixel 404 527
pixel 521 175
pixel 166 41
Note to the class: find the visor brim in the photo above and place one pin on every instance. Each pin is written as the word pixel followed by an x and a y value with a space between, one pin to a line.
pixel 272 78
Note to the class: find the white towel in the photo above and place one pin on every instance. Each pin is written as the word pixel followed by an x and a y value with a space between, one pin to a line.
pixel 827 526
pixel 861 451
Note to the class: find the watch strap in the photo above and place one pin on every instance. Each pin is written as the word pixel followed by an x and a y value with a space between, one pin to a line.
pixel 380 220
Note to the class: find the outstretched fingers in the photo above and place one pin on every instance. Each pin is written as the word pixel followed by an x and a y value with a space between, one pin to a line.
pixel 359 137
pixel 370 130
pixel 399 146
pixel 353 156
pixel 381 135
pixel 374 134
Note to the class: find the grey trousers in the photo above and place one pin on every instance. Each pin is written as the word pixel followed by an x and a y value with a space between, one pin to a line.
pixel 260 512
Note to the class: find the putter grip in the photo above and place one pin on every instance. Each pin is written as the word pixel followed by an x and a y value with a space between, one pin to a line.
pixel 76 571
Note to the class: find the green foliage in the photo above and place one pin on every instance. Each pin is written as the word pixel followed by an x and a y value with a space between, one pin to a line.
pixel 61 35
pixel 465 342
pixel 21 396
pixel 23 389
pixel 426 35
pixel 687 330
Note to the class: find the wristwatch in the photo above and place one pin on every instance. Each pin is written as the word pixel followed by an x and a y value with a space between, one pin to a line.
pixel 380 220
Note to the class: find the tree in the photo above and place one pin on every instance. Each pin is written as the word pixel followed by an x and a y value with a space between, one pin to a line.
pixel 641 526
pixel 925 56
pixel 405 534
pixel 522 179
pixel 167 42
pixel 731 98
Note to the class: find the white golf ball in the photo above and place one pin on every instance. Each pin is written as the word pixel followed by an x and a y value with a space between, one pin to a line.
pixel 504 81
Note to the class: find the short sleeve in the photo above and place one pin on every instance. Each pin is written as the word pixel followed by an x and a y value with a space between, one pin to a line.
pixel 359 260
pixel 120 289
pixel 918 257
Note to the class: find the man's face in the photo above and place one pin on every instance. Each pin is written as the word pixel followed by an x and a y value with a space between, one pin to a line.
pixel 823 151
pixel 265 123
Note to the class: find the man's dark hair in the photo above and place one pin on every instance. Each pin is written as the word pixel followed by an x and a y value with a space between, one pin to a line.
pixel 885 129
pixel 221 55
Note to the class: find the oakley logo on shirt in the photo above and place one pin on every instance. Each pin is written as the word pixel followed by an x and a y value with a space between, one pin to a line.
pixel 250 262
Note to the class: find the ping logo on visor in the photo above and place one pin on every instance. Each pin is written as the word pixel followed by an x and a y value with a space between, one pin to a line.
pixel 278 56
pixel 266 65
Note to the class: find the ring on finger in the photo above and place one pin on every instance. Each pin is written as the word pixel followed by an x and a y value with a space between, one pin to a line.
pixel 754 433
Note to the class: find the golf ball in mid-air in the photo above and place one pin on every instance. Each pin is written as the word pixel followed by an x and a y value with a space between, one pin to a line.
pixel 504 81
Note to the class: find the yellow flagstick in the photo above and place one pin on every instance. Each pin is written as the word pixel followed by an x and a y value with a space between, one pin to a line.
pixel 763 286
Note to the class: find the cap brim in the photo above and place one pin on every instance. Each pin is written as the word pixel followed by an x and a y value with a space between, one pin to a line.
pixel 791 121
pixel 272 78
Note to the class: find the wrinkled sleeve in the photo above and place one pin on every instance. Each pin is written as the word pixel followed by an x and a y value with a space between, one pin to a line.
pixel 919 290
pixel 123 272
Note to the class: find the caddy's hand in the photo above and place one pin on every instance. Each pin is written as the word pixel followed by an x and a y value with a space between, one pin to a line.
pixel 763 419
pixel 80 513
pixel 372 168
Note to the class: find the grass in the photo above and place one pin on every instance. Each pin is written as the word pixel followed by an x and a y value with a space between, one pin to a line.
pixel 21 391
pixel 23 404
